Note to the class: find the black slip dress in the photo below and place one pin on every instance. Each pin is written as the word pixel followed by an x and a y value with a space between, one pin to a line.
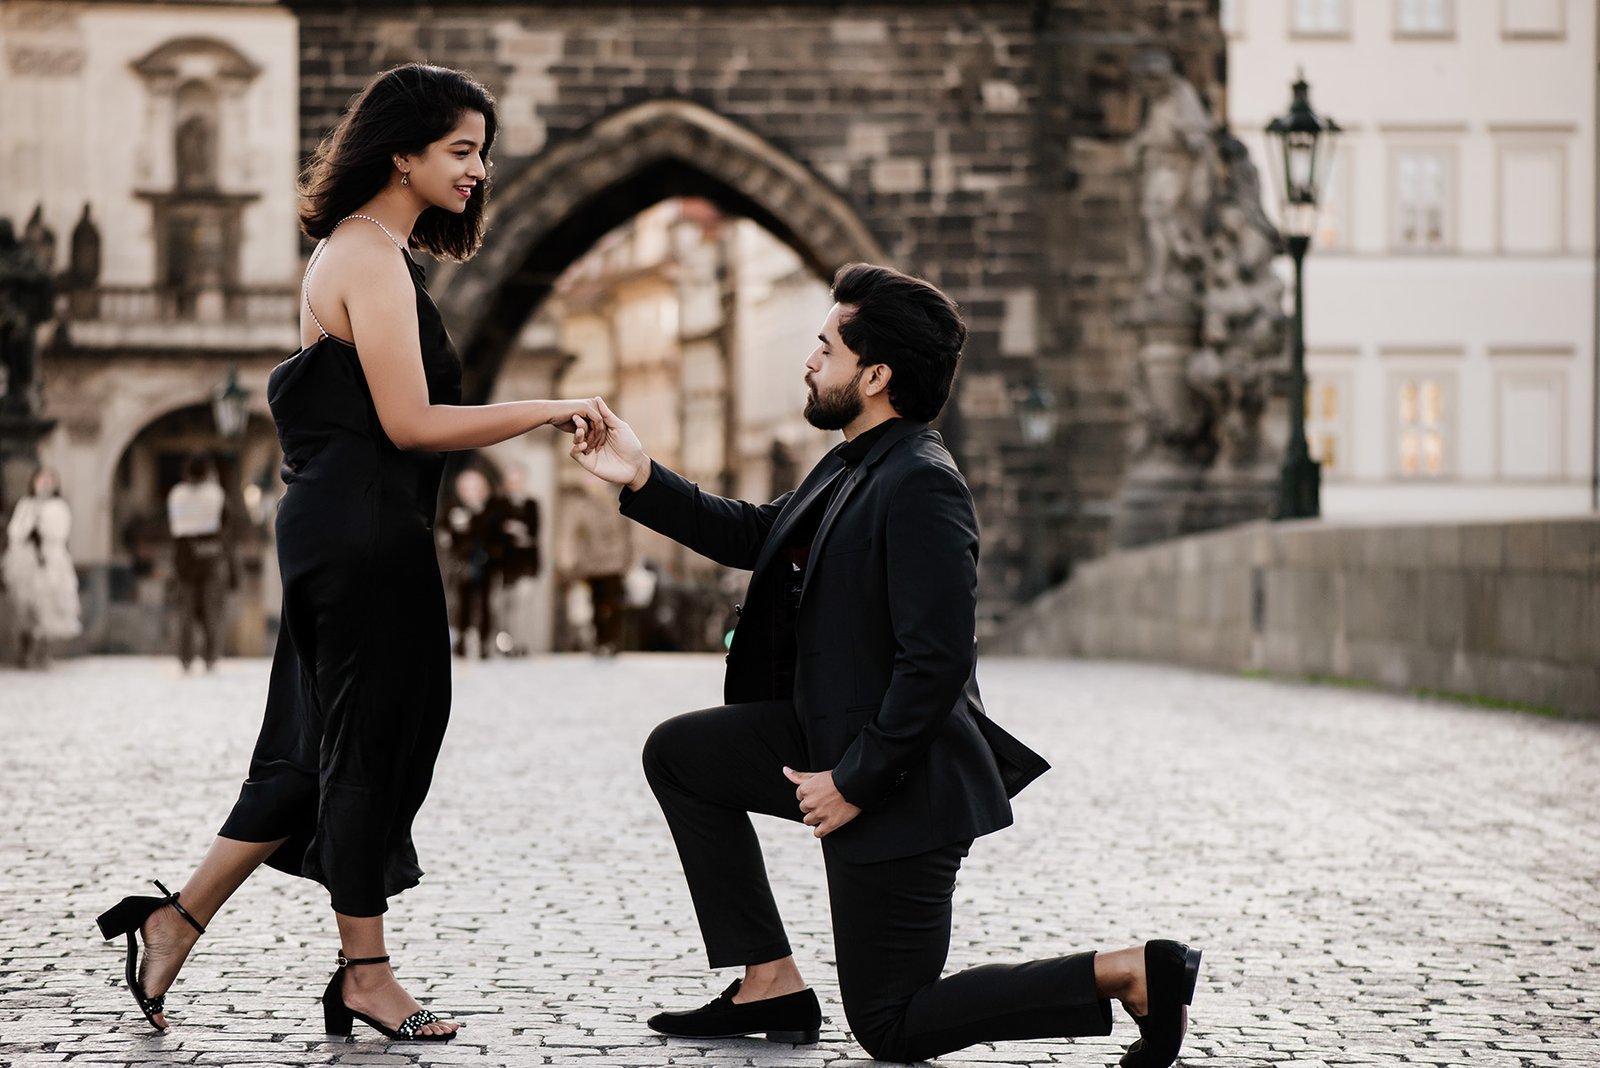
pixel 359 693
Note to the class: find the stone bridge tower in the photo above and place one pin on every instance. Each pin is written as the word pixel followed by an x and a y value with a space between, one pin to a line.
pixel 984 146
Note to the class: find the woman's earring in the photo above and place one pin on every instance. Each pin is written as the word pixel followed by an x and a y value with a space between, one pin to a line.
pixel 405 177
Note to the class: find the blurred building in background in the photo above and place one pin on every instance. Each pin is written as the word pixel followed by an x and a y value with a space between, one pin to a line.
pixel 152 149
pixel 1451 289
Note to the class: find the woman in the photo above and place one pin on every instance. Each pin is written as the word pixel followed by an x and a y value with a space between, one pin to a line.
pixel 38 569
pixel 360 686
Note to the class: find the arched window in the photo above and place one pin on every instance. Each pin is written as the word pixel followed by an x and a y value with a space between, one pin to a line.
pixel 195 137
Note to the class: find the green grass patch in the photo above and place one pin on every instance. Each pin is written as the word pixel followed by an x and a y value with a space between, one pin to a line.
pixel 1472 700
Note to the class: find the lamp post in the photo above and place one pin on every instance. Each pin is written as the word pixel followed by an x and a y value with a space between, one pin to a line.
pixel 1037 417
pixel 1301 149
pixel 228 406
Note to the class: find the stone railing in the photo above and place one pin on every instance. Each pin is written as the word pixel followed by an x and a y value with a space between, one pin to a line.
pixel 144 304
pixel 1504 611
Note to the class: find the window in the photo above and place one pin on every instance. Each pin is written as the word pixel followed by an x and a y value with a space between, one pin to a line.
pixel 1422 409
pixel 1319 18
pixel 1533 19
pixel 1326 422
pixel 1424 194
pixel 1533 193
pixel 1530 423
pixel 1424 18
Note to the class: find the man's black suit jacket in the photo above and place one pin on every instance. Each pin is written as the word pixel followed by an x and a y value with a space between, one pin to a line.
pixel 885 653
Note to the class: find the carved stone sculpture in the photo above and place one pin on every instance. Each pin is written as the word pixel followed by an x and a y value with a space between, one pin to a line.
pixel 1174 153
pixel 40 239
pixel 25 301
pixel 83 268
pixel 1210 320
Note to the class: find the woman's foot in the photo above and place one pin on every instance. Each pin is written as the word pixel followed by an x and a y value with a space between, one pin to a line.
pixel 374 991
pixel 167 939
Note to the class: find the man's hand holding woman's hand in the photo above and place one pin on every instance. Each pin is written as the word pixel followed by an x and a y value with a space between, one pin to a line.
pixel 569 415
pixel 609 449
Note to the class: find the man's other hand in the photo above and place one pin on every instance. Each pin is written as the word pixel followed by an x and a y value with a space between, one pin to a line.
pixel 822 807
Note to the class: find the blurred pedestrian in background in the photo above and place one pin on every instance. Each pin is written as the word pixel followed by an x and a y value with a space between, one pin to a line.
pixel 597 551
pixel 202 564
pixel 467 537
pixel 514 556
pixel 38 569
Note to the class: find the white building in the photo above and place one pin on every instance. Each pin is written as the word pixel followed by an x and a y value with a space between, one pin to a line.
pixel 1450 291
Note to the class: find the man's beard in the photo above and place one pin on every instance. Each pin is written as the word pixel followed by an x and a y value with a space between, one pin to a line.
pixel 836 408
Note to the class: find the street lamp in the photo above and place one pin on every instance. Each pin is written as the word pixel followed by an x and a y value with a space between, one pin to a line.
pixel 1037 417
pixel 1301 150
pixel 228 406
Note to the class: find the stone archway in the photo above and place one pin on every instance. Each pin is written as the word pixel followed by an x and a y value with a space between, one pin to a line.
pixel 569 196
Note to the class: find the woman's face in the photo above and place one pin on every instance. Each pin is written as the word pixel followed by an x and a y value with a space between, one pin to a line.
pixel 448 172
pixel 44 483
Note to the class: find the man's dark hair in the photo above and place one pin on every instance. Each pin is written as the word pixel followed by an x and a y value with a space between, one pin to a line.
pixel 402 110
pixel 907 324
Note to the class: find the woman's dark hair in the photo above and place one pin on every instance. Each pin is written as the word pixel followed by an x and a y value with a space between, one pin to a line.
pixel 402 110
pixel 908 324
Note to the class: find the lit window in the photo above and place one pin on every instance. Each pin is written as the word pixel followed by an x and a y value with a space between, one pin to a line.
pixel 1422 442
pixel 1423 181
pixel 1425 18
pixel 1319 17
pixel 1324 423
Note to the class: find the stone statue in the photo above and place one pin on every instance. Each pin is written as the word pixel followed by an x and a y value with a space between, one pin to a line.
pixel 41 240
pixel 1210 323
pixel 26 296
pixel 1174 153
pixel 1243 326
pixel 83 268
pixel 196 154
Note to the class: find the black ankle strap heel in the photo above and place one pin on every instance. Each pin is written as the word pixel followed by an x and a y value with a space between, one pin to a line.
pixel 127 917
pixel 339 1018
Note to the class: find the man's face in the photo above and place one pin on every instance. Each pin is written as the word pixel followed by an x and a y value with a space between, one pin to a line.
pixel 833 377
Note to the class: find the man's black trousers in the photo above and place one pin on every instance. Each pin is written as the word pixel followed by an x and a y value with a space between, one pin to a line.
pixel 891 919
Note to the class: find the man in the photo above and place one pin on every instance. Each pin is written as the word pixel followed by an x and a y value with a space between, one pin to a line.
pixel 514 553
pixel 467 536
pixel 202 566
pixel 852 706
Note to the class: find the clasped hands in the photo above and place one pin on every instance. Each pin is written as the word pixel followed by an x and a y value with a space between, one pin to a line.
pixel 609 449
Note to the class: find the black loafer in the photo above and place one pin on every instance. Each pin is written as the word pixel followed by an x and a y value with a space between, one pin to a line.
pixel 793 1018
pixel 1171 971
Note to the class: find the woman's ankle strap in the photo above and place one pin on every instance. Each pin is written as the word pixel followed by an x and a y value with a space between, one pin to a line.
pixel 172 899
pixel 345 962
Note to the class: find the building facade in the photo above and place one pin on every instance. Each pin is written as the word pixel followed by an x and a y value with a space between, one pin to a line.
pixel 1451 287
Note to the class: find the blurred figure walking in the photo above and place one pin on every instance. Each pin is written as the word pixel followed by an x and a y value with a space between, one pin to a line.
pixel 514 554
pixel 38 569
pixel 202 567
pixel 467 536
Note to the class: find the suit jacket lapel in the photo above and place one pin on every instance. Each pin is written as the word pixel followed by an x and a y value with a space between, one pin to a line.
pixel 819 480
pixel 853 478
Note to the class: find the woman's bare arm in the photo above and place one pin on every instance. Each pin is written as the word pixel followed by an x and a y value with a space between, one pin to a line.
pixel 377 295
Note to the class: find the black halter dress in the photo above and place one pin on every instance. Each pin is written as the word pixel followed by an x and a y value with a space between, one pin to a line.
pixel 360 688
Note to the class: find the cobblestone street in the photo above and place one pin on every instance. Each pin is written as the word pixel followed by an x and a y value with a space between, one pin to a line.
pixel 1374 879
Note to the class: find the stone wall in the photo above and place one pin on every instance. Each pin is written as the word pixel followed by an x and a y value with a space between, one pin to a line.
pixel 1506 611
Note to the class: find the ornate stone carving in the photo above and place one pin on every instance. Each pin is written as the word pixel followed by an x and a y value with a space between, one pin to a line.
pixel 26 296
pixel 1210 320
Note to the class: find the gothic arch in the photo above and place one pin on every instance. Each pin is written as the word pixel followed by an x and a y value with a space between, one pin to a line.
pixel 573 193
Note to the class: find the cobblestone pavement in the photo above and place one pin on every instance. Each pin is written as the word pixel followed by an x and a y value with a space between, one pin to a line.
pixel 1375 880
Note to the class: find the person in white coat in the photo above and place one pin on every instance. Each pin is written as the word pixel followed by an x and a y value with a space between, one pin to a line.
pixel 38 571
